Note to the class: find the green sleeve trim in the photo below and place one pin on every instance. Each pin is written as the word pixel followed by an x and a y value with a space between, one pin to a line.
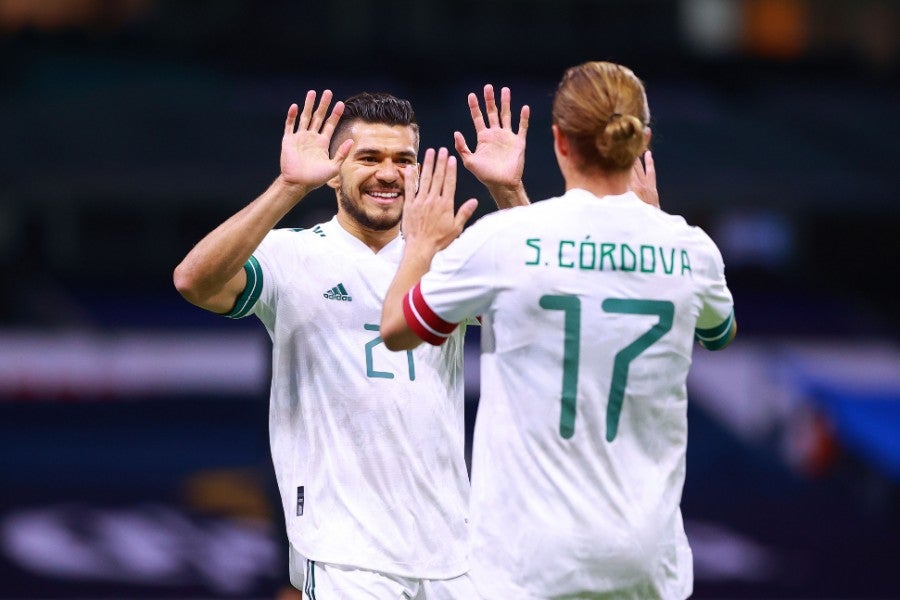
pixel 252 290
pixel 716 338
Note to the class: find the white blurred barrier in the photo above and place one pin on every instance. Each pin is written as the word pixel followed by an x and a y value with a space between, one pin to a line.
pixel 36 365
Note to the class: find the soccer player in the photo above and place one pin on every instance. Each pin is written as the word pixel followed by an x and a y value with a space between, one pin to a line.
pixel 590 305
pixel 368 445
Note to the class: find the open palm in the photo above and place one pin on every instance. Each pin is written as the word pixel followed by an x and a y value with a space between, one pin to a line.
pixel 304 146
pixel 499 157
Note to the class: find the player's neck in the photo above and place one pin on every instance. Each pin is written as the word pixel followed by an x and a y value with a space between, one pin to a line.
pixel 599 184
pixel 374 239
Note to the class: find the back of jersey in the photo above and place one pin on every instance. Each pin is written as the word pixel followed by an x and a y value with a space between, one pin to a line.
pixel 579 449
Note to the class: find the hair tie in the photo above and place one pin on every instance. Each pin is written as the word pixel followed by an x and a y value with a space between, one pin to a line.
pixel 613 117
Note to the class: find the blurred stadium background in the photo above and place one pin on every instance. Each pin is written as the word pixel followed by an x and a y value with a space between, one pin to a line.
pixel 133 446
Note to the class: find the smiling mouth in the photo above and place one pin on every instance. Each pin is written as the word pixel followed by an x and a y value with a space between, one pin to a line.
pixel 385 197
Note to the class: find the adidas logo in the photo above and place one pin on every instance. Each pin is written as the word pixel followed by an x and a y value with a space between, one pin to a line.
pixel 338 292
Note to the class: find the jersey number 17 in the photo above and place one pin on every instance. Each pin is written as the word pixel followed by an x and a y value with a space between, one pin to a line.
pixel 571 307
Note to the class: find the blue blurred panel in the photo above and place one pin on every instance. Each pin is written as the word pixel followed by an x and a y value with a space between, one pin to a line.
pixel 866 422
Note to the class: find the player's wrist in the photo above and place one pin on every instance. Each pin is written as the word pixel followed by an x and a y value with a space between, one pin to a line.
pixel 508 194
pixel 292 188
pixel 420 249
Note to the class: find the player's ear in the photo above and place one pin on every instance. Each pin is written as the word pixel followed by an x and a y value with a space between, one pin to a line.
pixel 335 182
pixel 560 143
pixel 648 133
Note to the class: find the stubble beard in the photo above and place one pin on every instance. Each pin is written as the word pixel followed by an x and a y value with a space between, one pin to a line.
pixel 383 221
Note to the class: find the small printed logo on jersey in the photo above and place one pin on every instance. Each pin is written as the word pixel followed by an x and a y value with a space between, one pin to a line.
pixel 300 501
pixel 338 292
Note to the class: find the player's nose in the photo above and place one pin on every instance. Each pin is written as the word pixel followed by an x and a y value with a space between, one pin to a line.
pixel 388 171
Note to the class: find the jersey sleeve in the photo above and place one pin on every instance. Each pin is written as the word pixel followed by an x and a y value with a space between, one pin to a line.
pixel 716 319
pixel 459 287
pixel 263 275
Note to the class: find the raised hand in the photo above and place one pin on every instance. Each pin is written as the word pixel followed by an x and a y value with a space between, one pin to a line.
pixel 429 225
pixel 643 180
pixel 304 146
pixel 429 221
pixel 499 157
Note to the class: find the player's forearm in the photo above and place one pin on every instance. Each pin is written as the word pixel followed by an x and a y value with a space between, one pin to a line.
pixel 219 256
pixel 395 332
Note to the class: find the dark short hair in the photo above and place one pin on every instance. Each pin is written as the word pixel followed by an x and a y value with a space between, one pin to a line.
pixel 377 107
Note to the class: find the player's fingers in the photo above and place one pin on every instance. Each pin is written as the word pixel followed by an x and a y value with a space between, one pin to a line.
pixel 490 106
pixel 650 167
pixel 505 111
pixel 461 147
pixel 291 119
pixel 332 120
pixel 448 190
pixel 475 111
pixel 440 172
pixel 341 153
pixel 524 115
pixel 409 183
pixel 319 115
pixel 427 171
pixel 306 114
pixel 637 170
pixel 465 212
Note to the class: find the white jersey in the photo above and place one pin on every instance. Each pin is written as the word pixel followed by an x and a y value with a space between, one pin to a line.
pixel 368 444
pixel 590 307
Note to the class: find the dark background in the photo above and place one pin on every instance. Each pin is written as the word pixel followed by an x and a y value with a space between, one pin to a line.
pixel 131 128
